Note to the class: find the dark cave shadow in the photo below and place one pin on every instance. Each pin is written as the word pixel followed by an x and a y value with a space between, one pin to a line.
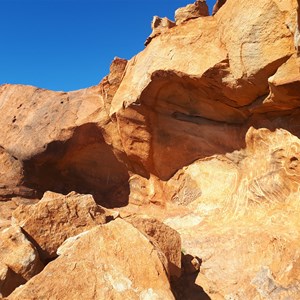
pixel 13 280
pixel 84 163
pixel 185 288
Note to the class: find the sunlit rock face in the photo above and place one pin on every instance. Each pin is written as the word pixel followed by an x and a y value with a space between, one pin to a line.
pixel 191 11
pixel 98 256
pixel 63 216
pixel 56 141
pixel 199 99
pixel 200 130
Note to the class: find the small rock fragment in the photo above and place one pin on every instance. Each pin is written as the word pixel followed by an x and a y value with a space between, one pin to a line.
pixel 191 11
pixel 159 25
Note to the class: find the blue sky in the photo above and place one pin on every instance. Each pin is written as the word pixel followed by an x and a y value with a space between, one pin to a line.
pixel 69 44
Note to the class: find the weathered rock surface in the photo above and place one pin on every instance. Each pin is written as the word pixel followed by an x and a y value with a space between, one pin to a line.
pixel 110 83
pixel 10 174
pixel 217 6
pixel 19 260
pixel 285 86
pixel 191 11
pixel 158 26
pixel 246 229
pixel 56 217
pixel 113 261
pixel 165 97
pixel 297 31
pixel 167 240
pixel 174 101
pixel 6 210
pixel 205 123
pixel 56 141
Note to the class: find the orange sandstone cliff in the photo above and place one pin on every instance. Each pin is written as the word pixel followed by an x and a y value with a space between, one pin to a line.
pixel 177 177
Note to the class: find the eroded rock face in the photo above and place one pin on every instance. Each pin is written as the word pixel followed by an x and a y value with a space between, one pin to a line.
pixel 111 82
pixel 191 11
pixel 203 123
pixel 9 280
pixel 19 260
pixel 243 222
pixel 167 240
pixel 11 177
pixel 158 26
pixel 113 261
pixel 217 6
pixel 53 141
pixel 193 103
pixel 56 217
pixel 285 85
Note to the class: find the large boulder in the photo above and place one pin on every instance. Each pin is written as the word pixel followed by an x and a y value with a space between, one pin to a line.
pixel 56 217
pixel 112 261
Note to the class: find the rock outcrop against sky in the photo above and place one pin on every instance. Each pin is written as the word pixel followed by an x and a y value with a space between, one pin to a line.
pixel 176 177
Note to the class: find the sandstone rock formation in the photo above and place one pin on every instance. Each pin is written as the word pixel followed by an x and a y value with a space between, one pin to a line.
pixel 158 26
pixel 6 209
pixel 249 221
pixel 56 217
pixel 199 98
pixel 58 139
pixel 285 85
pixel 111 82
pixel 199 131
pixel 166 239
pixel 191 11
pixel 113 261
pixel 10 174
pixel 19 260
pixel 217 6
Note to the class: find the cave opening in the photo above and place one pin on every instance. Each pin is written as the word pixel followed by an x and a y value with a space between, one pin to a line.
pixel 84 163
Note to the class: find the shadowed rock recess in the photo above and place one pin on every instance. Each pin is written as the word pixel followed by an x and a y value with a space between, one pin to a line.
pixel 84 163
pixel 176 177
